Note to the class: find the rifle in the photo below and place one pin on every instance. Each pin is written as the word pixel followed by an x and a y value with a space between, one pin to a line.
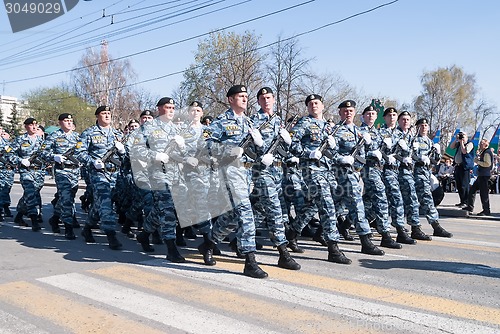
pixel 4 161
pixel 34 158
pixel 358 147
pixel 276 143
pixel 69 155
pixel 324 144
pixel 245 142
pixel 109 155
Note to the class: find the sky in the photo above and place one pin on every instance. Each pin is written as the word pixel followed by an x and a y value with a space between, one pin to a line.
pixel 382 53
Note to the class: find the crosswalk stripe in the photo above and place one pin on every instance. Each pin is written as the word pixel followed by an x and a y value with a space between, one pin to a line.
pixel 68 313
pixel 281 314
pixel 472 315
pixel 167 312
pixel 17 325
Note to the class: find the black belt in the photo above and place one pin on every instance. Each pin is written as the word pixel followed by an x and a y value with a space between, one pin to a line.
pixel 420 164
pixel 390 167
pixel 371 163
pixel 59 167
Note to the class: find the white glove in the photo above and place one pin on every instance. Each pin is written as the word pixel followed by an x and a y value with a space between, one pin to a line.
pixel 391 160
pixel 161 157
pixel 286 136
pixel 402 143
pixel 437 147
pixel 257 137
pixel 347 160
pixel 267 159
pixel 294 160
pixel 180 141
pixel 388 142
pixel 332 143
pixel 408 160
pixel 98 164
pixel 236 151
pixel 316 155
pixel 120 147
pixel 6 147
pixel 426 160
pixel 416 145
pixel 367 137
pixel 192 161
pixel 25 162
pixel 59 158
pixel 377 154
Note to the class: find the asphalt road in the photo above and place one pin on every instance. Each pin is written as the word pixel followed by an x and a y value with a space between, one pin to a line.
pixel 52 285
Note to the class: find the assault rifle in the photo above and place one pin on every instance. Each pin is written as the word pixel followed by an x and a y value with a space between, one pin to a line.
pixel 324 144
pixel 276 143
pixel 245 143
pixel 4 161
pixel 35 158
pixel 69 155
pixel 109 156
pixel 359 146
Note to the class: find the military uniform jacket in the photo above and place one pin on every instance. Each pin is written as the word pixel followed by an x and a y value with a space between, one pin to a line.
pixel 348 137
pixel 26 147
pixel 94 144
pixel 307 136
pixel 376 144
pixel 4 153
pixel 393 133
pixel 400 154
pixel 59 142
pixel 269 132
pixel 423 146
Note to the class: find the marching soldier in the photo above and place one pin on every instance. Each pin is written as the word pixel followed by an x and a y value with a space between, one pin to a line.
pixel 374 198
pixel 25 150
pixel 59 148
pixel 6 175
pixel 390 136
pixel 267 175
pixel 98 147
pixel 224 136
pixel 308 135
pixel 351 139
pixel 426 153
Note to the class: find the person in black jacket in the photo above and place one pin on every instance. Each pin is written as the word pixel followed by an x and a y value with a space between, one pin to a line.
pixel 484 161
pixel 464 162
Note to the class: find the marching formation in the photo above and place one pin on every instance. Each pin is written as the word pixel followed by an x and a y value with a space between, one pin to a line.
pixel 257 171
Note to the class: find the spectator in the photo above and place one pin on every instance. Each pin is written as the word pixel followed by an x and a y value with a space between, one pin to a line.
pixel 464 162
pixel 445 175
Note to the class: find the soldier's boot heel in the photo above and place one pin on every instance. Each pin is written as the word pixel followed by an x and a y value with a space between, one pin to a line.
pixel 206 249
pixel 54 224
pixel 418 234
pixel 143 239
pixel 388 242
pixel 35 224
pixel 343 225
pixel 75 224
pixel 291 236
pixel 403 237
pixel 233 244
pixel 19 219
pixel 335 254
pixel 113 242
pixel 439 231
pixel 252 269
pixel 87 234
pixel 68 232
pixel 318 236
pixel 286 261
pixel 173 254
pixel 215 250
pixel 367 247
pixel 179 236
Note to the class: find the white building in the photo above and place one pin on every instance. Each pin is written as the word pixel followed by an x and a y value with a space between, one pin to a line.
pixel 6 103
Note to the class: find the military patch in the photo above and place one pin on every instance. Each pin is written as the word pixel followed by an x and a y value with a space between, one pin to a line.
pixel 25 145
pixel 78 145
pixel 43 147
pixel 207 134
pixel 8 149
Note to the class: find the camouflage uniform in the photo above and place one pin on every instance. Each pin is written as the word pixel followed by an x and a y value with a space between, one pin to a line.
pixel 32 177
pixel 66 174
pixel 94 143
pixel 6 175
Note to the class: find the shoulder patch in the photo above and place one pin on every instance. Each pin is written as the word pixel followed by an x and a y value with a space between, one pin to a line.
pixel 78 145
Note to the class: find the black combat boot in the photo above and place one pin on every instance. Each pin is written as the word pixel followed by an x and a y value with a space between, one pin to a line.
pixel 335 254
pixel 35 223
pixel 388 242
pixel 19 219
pixel 54 224
pixel 179 236
pixel 233 244
pixel 318 236
pixel 156 238
pixel 143 239
pixel 113 242
pixel 252 269
pixel 85 204
pixel 76 224
pixel 403 237
pixel 6 211
pixel 439 231
pixel 291 236
pixel 126 228
pixel 68 232
pixel 1 215
pixel 173 254
pixel 343 225
pixel 87 234
pixel 206 249
pixel 286 261
pixel 367 247
pixel 190 233
pixel 418 234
